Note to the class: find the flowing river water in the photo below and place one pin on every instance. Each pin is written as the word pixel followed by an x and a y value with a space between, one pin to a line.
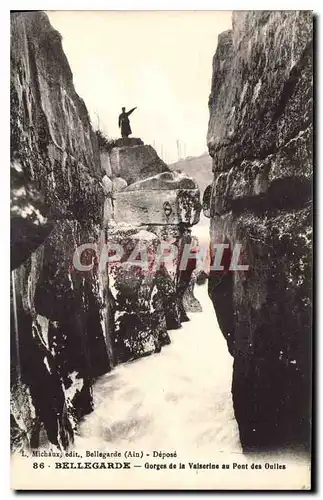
pixel 177 402
pixel 178 399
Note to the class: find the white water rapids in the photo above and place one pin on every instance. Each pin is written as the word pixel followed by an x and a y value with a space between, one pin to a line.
pixel 176 401
pixel 179 399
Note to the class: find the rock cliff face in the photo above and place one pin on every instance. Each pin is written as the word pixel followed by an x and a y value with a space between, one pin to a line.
pixel 130 159
pixel 156 208
pixel 70 326
pixel 60 337
pixel 260 138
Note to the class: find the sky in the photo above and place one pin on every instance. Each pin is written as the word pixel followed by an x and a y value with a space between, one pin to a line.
pixel 159 61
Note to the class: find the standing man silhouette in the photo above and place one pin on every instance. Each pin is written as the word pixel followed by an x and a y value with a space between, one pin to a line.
pixel 124 122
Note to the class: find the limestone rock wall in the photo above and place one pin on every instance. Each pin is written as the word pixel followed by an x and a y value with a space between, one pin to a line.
pixel 132 160
pixel 260 139
pixel 141 215
pixel 60 318
pixel 140 316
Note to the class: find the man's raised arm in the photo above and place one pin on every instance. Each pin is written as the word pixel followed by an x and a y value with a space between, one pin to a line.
pixel 129 112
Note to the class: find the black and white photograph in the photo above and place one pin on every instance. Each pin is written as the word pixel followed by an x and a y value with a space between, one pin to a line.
pixel 161 250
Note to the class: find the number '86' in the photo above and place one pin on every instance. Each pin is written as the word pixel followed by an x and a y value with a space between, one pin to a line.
pixel 40 465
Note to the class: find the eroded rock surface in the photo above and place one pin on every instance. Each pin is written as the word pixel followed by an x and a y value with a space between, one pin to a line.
pixel 140 320
pixel 60 320
pixel 165 199
pixel 132 160
pixel 260 138
pixel 149 300
pixel 30 219
pixel 190 302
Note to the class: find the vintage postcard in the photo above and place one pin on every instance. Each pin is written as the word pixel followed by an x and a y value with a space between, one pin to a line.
pixel 161 250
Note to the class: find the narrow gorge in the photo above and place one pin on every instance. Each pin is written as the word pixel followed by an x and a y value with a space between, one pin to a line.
pixel 77 335
pixel 70 326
